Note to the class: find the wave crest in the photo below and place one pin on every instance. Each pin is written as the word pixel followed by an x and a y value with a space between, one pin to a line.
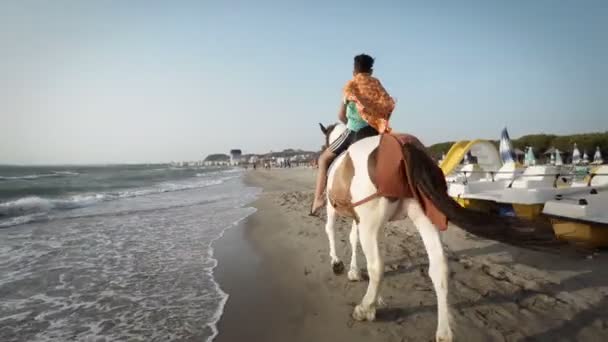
pixel 41 175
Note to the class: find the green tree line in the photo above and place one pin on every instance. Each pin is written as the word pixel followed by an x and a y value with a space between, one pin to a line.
pixel 542 142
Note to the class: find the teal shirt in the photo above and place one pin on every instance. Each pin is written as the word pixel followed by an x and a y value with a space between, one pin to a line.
pixel 354 122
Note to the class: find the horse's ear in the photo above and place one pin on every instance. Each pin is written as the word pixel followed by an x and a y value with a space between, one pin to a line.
pixel 323 129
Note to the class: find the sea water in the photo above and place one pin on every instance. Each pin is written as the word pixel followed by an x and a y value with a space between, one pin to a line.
pixel 114 252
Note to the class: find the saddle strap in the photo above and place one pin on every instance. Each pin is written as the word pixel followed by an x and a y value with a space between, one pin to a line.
pixel 366 199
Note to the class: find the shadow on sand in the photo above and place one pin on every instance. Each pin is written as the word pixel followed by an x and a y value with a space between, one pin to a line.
pixel 590 274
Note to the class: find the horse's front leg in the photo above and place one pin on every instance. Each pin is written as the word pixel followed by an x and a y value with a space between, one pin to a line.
pixel 369 229
pixel 353 273
pixel 336 264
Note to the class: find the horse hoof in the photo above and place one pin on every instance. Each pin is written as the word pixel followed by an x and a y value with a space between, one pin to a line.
pixel 445 336
pixel 354 275
pixel 362 314
pixel 337 267
pixel 444 339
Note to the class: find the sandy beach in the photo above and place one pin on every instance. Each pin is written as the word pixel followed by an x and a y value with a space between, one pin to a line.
pixel 275 267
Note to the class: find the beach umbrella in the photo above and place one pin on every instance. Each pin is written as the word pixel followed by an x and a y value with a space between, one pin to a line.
pixel 576 155
pixel 529 159
pixel 585 158
pixel 597 157
pixel 558 158
pixel 506 148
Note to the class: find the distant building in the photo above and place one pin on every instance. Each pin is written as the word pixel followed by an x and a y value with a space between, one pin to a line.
pixel 235 157
pixel 285 158
pixel 217 160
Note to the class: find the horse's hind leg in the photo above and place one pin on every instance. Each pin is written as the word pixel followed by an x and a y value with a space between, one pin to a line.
pixel 369 229
pixel 353 273
pixel 438 267
pixel 336 265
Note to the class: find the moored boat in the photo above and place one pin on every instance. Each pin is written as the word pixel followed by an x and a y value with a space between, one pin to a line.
pixel 582 217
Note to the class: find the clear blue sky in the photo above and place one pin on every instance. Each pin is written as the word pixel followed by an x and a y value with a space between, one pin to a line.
pixel 147 81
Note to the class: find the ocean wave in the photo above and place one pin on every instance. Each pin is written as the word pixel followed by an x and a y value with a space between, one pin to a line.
pixel 38 205
pixel 41 175
pixel 66 173
pixel 15 221
pixel 35 208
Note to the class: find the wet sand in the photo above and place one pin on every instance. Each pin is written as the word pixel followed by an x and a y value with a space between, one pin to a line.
pixel 275 266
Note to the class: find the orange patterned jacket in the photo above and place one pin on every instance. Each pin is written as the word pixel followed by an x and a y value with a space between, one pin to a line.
pixel 373 102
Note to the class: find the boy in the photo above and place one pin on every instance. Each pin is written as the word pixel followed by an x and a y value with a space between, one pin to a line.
pixel 365 110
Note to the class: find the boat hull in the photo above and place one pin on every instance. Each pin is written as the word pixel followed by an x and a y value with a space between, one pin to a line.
pixel 474 204
pixel 528 211
pixel 583 233
pixel 524 211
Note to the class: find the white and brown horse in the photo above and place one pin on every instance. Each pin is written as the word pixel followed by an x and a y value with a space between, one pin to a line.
pixel 374 213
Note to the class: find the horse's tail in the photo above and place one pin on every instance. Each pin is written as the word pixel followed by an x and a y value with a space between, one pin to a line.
pixel 430 180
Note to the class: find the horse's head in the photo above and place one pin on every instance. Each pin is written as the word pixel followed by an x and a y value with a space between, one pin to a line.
pixel 332 132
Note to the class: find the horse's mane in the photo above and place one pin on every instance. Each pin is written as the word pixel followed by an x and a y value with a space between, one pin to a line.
pixel 329 129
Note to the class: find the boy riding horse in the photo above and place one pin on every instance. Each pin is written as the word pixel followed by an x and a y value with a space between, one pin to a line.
pixel 366 108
